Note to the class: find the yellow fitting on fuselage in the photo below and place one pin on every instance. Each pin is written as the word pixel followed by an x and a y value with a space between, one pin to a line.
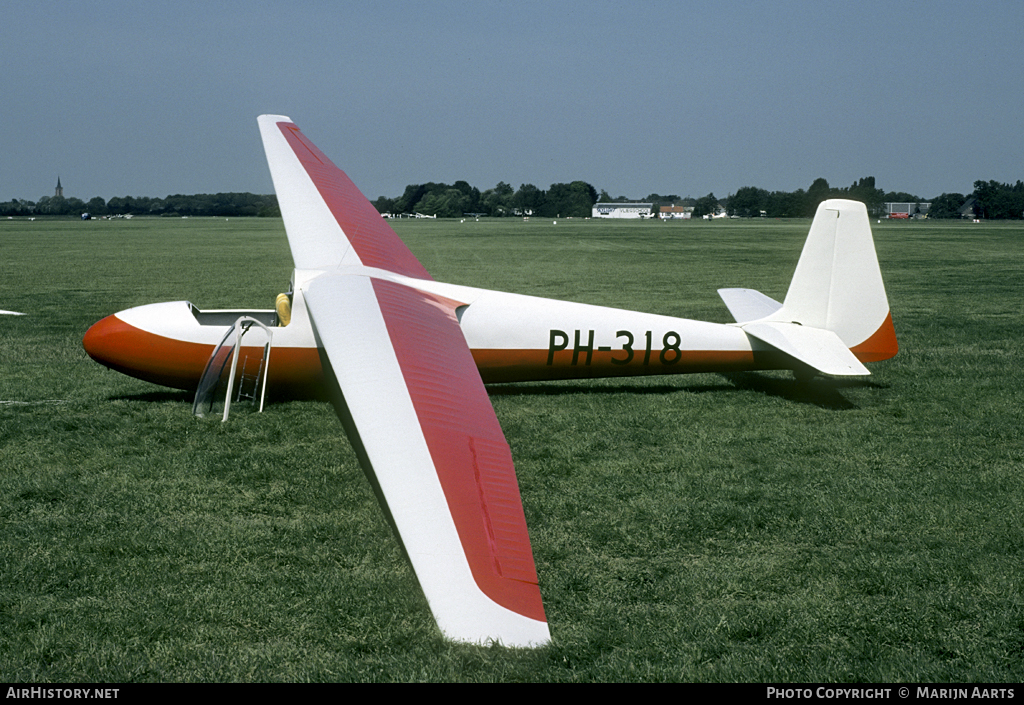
pixel 283 304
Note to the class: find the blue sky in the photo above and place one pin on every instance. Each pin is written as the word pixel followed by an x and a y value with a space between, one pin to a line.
pixel 151 99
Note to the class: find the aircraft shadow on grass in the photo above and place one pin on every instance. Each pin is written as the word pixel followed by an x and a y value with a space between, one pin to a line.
pixel 159 396
pixel 823 392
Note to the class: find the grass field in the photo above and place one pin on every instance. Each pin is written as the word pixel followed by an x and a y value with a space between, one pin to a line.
pixel 695 528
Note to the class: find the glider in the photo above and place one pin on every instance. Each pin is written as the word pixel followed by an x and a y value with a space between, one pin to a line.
pixel 405 358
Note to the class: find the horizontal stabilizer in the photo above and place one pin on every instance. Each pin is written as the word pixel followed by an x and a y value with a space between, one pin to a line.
pixel 748 304
pixel 821 349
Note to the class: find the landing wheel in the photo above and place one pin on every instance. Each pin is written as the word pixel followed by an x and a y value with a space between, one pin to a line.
pixel 804 374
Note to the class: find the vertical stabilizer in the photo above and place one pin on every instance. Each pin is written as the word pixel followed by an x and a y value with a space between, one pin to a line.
pixel 838 285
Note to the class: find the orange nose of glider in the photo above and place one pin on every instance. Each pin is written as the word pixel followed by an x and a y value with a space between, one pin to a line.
pixel 123 347
pixel 104 341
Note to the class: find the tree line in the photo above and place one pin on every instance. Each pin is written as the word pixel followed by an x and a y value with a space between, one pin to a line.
pixel 989 200
pixel 455 200
pixel 751 201
pixel 199 205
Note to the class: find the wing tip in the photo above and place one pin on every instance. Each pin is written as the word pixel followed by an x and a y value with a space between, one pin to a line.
pixel 272 119
pixel 526 634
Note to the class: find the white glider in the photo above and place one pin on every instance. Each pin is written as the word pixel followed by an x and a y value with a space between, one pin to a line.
pixel 404 359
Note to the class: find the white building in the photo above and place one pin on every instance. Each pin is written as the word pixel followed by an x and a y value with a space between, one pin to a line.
pixel 621 210
pixel 676 212
pixel 906 210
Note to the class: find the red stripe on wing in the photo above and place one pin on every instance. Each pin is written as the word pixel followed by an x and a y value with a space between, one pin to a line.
pixel 466 444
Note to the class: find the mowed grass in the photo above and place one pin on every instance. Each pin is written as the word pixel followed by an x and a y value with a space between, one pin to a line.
pixel 695 528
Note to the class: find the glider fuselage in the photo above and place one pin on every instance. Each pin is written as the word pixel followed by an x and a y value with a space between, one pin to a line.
pixel 512 338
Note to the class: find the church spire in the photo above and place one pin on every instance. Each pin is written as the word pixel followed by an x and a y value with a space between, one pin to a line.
pixel 59 192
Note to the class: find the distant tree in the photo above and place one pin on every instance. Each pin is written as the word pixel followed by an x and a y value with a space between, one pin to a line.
pixel 864 191
pixel 818 192
pixel 657 199
pixel 431 193
pixel 528 199
pixel 605 197
pixel 472 196
pixel 49 205
pixel 59 205
pixel 497 201
pixel 119 206
pixel 574 200
pixel 557 201
pixel 947 205
pixel 999 201
pixel 782 204
pixel 707 205
pixel 54 205
pixel 384 205
pixel 74 206
pixel 450 203
pixel 408 200
pixel 994 200
pixel 269 207
pixel 16 207
pixel 96 206
pixel 901 197
pixel 748 202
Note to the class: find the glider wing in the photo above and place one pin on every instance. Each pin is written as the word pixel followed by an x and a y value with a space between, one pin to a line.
pixel 416 411
pixel 411 400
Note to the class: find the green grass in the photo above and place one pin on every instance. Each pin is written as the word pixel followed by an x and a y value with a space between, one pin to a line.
pixel 701 528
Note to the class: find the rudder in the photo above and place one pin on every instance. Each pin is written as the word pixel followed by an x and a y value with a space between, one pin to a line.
pixel 838 284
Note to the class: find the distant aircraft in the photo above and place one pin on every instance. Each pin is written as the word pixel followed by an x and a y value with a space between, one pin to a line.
pixel 404 359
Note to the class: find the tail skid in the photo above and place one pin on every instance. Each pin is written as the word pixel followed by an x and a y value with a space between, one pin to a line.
pixel 836 314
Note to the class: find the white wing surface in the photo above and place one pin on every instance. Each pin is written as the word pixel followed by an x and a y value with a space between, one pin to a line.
pixel 412 402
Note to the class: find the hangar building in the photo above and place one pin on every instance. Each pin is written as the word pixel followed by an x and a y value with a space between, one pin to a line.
pixel 621 210
pixel 906 210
